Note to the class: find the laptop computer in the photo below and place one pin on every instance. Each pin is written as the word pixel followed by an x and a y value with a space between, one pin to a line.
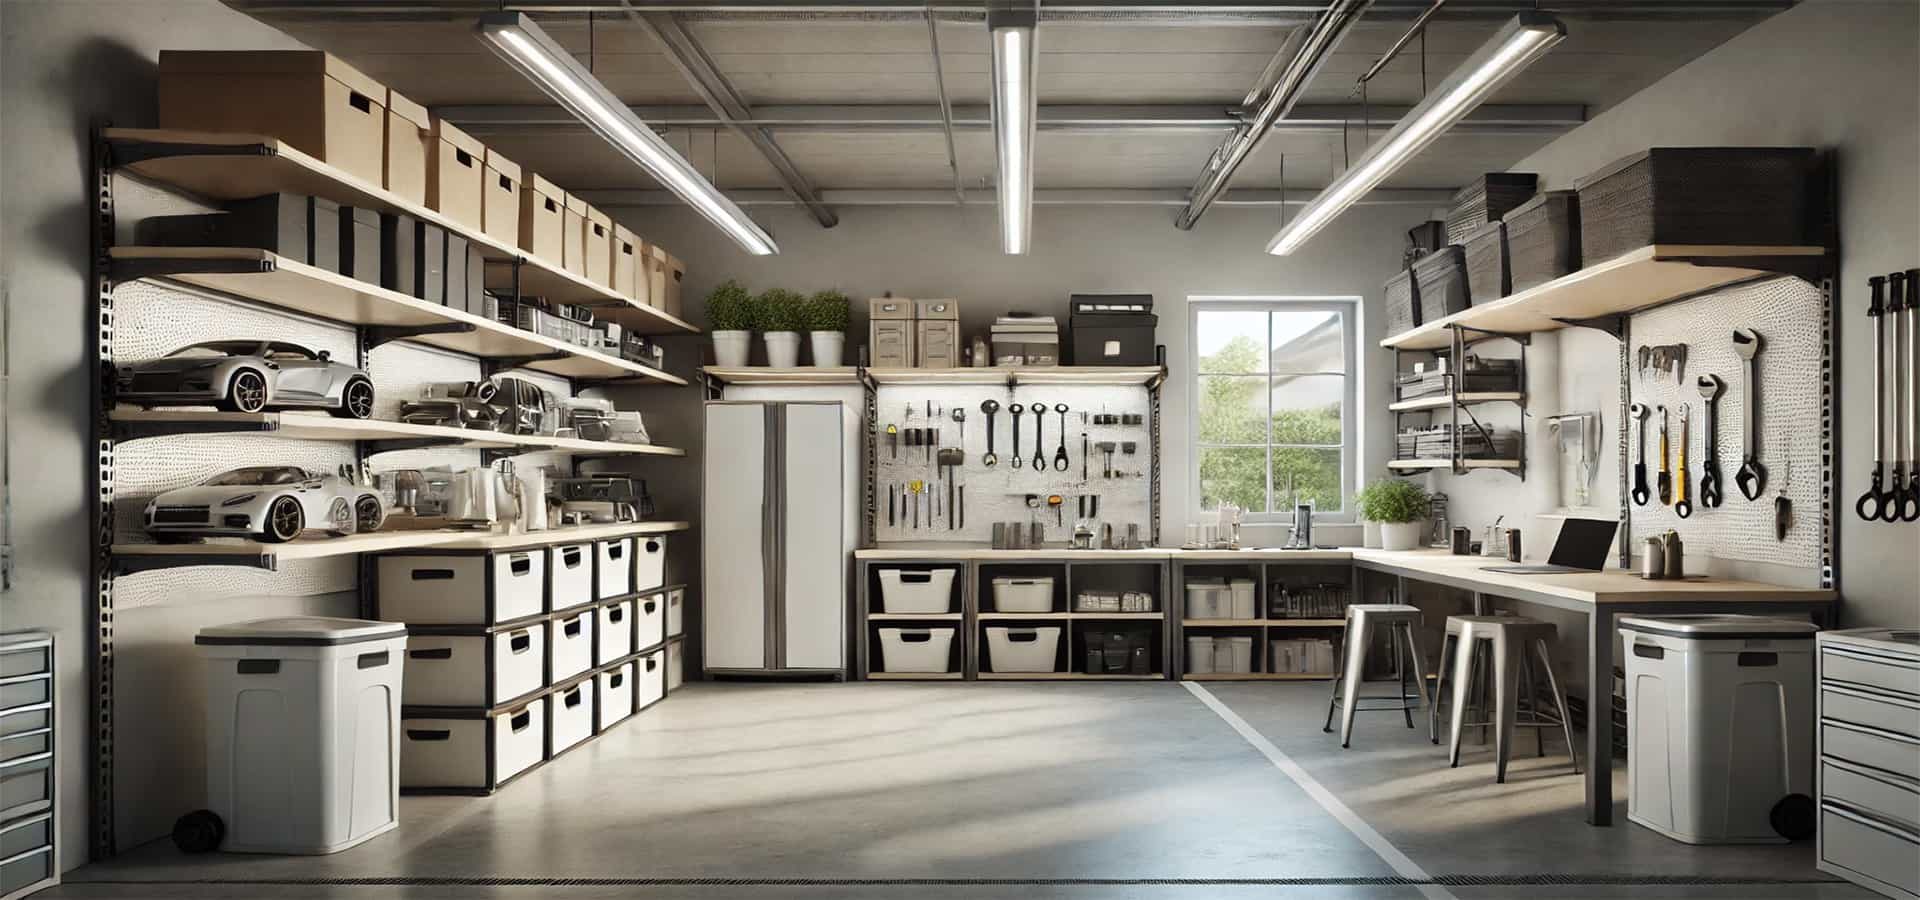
pixel 1581 547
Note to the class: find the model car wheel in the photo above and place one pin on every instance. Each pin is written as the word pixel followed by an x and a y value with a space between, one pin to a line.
pixel 340 516
pixel 284 522
pixel 356 401
pixel 368 515
pixel 247 392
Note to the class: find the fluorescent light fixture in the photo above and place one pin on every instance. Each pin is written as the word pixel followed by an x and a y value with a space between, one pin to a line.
pixel 1014 108
pixel 1519 42
pixel 545 63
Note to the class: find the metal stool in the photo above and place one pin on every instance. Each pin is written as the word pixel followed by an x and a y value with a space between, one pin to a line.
pixel 1510 644
pixel 1399 619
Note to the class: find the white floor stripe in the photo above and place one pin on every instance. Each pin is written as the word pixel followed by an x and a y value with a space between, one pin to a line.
pixel 1402 866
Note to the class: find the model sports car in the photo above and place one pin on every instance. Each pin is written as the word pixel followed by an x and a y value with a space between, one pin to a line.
pixel 271 503
pixel 248 376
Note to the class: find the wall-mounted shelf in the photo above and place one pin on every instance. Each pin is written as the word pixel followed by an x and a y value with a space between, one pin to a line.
pixel 1107 375
pixel 1442 401
pixel 1410 465
pixel 804 375
pixel 132 424
pixel 277 281
pixel 1646 277
pixel 130 558
pixel 235 166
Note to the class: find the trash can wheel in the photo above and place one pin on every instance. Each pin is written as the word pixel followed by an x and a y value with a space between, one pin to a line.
pixel 200 831
pixel 1793 817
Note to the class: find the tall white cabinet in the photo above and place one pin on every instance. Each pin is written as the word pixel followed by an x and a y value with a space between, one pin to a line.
pixel 776 536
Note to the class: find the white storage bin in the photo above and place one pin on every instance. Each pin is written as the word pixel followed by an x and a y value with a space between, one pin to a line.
pixel 613 631
pixel 1208 599
pixel 920 591
pixel 482 669
pixel 1023 595
pixel 1243 604
pixel 916 649
pixel 676 612
pixel 651 671
pixel 472 749
pixel 1233 654
pixel 1200 656
pixel 569 717
pixel 462 589
pixel 649 621
pixel 1023 649
pixel 650 562
pixel 676 668
pixel 570 574
pixel 613 692
pixel 613 568
pixel 570 645
pixel 1720 722
pixel 302 718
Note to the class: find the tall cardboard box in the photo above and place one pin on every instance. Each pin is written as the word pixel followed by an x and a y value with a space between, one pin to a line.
pixel 628 274
pixel 313 101
pixel 500 201
pixel 543 214
pixel 599 238
pixel 664 273
pixel 409 141
pixel 574 234
pixel 455 170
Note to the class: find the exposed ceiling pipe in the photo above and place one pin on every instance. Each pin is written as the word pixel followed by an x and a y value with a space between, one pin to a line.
pixel 1326 34
pixel 946 106
pixel 1413 31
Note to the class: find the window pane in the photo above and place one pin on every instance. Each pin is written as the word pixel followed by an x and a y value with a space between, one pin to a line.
pixel 1316 478
pixel 1309 341
pixel 1236 475
pixel 1306 408
pixel 1230 341
pixel 1233 410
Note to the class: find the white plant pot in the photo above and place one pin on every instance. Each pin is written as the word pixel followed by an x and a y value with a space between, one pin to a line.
pixel 1400 535
pixel 1370 534
pixel 732 348
pixel 783 349
pixel 828 347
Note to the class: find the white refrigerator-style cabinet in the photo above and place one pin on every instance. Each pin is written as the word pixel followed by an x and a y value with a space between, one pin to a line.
pixel 776 537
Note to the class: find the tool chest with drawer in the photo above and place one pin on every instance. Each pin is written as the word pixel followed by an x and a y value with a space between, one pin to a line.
pixel 1869 773
pixel 27 775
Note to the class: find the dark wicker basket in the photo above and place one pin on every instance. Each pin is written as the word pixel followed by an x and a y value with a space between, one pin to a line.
pixel 1486 200
pixel 1760 196
pixel 1440 283
pixel 1403 303
pixel 1487 266
pixel 1543 239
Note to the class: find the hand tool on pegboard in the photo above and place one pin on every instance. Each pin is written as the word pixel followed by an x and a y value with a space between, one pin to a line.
pixel 1910 505
pixel 1872 505
pixel 1060 461
pixel 1664 483
pixel 1710 387
pixel 1039 422
pixel 1640 494
pixel 1683 507
pixel 1016 409
pixel 1904 503
pixel 1752 477
pixel 990 459
pixel 1782 506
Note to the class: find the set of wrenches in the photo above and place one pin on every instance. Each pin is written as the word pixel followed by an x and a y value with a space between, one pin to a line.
pixel 1673 483
pixel 1894 492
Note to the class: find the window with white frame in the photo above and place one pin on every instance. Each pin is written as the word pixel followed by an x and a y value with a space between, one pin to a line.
pixel 1273 404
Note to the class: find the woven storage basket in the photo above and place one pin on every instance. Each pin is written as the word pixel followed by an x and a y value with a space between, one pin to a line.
pixel 1543 239
pixel 1486 200
pixel 1440 283
pixel 1760 196
pixel 1403 303
pixel 1487 267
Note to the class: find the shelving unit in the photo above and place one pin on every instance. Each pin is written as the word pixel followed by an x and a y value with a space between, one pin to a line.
pixel 1455 402
pixel 1443 401
pixel 1022 375
pixel 1264 571
pixel 130 558
pixel 133 424
pixel 767 375
pixel 1425 464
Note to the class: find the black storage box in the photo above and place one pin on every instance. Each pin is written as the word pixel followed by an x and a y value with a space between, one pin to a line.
pixel 397 257
pixel 1758 196
pixel 323 234
pixel 429 262
pixel 476 281
pixel 1426 237
pixel 1403 303
pixel 1488 275
pixel 276 223
pixel 1441 283
pixel 454 275
pixel 1112 329
pixel 1486 200
pixel 1543 239
pixel 1118 651
pixel 360 243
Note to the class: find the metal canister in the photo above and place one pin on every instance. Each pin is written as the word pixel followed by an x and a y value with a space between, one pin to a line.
pixel 1513 545
pixel 1653 559
pixel 1676 554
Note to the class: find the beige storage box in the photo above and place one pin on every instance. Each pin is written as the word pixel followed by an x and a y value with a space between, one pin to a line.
pixel 573 227
pixel 626 263
pixel 543 217
pixel 599 238
pixel 664 275
pixel 500 199
pixel 937 334
pixel 455 170
pixel 890 332
pixel 409 141
pixel 313 101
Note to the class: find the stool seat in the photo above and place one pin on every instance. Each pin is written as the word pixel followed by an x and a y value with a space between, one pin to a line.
pixel 1512 642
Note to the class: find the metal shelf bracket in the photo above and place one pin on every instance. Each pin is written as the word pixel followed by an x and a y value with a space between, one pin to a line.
pixel 375 335
pixel 125 270
pixel 494 365
pixel 1615 325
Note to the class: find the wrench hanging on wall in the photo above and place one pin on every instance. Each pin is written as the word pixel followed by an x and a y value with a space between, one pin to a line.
pixel 1873 505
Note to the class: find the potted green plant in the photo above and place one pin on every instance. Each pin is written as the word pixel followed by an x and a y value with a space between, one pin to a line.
pixel 826 315
pixel 732 313
pixel 783 315
pixel 1399 506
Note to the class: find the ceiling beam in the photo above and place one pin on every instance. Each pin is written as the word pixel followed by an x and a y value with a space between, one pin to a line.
pixel 1426 199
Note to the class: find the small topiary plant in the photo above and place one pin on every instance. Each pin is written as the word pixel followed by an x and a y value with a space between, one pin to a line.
pixel 827 311
pixel 731 307
pixel 782 310
pixel 1392 500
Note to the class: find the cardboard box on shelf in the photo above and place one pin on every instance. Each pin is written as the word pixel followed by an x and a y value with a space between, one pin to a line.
pixel 309 99
pixel 543 214
pixel 599 240
pixel 573 255
pixel 628 273
pixel 500 199
pixel 455 169
pixel 409 140
pixel 664 277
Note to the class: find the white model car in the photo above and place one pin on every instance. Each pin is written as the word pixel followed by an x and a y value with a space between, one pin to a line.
pixel 270 503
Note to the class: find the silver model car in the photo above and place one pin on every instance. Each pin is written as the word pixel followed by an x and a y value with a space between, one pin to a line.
pixel 247 376
pixel 271 503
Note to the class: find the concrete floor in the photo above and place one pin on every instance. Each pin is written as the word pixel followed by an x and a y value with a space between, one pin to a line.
pixel 1114 790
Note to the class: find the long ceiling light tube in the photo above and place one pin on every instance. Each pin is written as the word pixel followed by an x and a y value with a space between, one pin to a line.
pixel 526 47
pixel 1015 107
pixel 1518 43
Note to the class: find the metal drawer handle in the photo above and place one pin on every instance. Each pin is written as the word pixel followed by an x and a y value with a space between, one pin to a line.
pixel 1865 820
pixel 1871 731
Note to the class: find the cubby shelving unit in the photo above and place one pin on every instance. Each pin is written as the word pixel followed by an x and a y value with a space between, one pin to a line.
pixel 1264 570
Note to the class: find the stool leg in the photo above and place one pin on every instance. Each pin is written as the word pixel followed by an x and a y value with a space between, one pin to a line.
pixel 1560 704
pixel 1477 687
pixel 1333 699
pixel 1463 657
pixel 1400 638
pixel 1506 686
pixel 1529 698
pixel 1358 635
pixel 1439 690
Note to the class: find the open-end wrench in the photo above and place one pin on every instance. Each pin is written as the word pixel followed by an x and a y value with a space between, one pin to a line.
pixel 1752 477
pixel 1016 409
pixel 990 407
pixel 1039 425
pixel 1061 462
pixel 1901 468
pixel 1665 482
pixel 1640 494
pixel 1873 504
pixel 1710 387
pixel 1683 507
pixel 1910 506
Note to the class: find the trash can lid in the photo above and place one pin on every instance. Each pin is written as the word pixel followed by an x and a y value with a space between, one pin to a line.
pixel 301 631
pixel 1719 627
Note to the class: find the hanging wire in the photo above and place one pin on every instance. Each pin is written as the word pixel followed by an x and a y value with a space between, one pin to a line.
pixel 1423 64
pixel 590 43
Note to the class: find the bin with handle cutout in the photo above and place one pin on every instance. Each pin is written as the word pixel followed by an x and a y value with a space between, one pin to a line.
pixel 917 591
pixel 652 672
pixel 570 644
pixel 570 718
pixel 462 588
pixel 570 581
pixel 471 666
pixel 650 562
pixel 920 650
pixel 470 750
pixel 1016 649
pixel 613 693
pixel 649 621
pixel 613 567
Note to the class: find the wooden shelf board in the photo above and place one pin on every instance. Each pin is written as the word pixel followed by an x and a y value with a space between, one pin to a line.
pixel 915 676
pixel 572 534
pixel 1124 375
pixel 1448 464
pixel 1632 281
pixel 306 289
pixel 322 427
pixel 223 166
pixel 1000 616
pixel 1267 623
pixel 1065 676
pixel 914 617
pixel 804 375
pixel 1257 676
pixel 1117 616
pixel 388 542
pixel 1442 401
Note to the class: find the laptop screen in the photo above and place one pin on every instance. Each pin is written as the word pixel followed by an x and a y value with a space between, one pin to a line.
pixel 1583 543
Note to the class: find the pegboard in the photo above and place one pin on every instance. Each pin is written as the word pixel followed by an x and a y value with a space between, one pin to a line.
pixel 998 494
pixel 1790 315
pixel 152 320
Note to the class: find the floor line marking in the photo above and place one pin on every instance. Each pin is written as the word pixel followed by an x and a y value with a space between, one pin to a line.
pixel 1376 842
